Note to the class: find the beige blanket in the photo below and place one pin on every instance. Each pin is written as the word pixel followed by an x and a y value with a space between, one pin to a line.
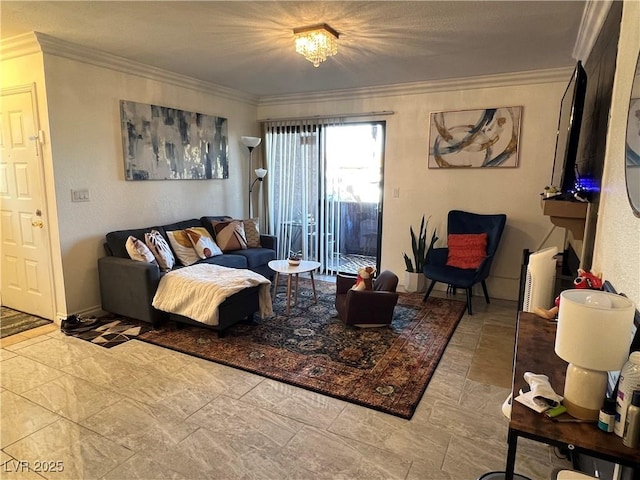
pixel 196 292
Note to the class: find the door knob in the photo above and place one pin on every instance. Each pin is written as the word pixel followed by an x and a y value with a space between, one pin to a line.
pixel 37 223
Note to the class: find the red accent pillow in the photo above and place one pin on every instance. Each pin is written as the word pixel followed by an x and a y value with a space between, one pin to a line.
pixel 466 250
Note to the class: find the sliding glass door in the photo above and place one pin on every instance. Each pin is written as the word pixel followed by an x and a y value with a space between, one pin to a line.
pixel 353 193
pixel 324 191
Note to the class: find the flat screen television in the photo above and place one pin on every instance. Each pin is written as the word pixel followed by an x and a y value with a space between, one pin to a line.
pixel 564 163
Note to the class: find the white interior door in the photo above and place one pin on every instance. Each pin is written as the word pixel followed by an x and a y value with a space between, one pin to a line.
pixel 26 263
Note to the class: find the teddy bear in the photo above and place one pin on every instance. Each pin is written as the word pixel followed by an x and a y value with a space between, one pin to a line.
pixel 364 281
pixel 584 280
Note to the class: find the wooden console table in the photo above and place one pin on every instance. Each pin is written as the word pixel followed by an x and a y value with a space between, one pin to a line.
pixel 535 339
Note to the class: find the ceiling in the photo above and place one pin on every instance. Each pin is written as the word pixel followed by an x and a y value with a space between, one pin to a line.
pixel 248 46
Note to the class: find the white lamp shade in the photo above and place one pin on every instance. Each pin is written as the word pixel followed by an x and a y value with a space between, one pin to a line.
pixel 250 142
pixel 594 329
pixel 261 172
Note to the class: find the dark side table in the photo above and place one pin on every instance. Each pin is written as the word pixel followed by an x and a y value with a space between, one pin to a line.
pixel 535 339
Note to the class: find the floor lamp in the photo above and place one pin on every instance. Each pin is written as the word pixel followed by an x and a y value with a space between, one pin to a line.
pixel 251 143
pixel 260 174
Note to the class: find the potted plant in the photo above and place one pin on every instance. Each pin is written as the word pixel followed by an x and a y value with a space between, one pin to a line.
pixel 414 279
pixel 294 258
pixel 551 191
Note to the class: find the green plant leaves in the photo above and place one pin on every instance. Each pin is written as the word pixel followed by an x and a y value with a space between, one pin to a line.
pixel 419 247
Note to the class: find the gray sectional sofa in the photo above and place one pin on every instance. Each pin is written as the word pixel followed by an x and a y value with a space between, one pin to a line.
pixel 127 287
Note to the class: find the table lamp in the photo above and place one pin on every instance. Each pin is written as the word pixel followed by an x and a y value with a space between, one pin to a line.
pixel 594 336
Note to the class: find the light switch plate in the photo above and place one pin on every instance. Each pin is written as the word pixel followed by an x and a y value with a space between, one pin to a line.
pixel 81 195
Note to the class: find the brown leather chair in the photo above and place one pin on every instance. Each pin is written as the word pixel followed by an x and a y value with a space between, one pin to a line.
pixel 367 307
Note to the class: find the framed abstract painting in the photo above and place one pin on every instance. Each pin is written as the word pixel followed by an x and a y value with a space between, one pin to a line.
pixel 163 143
pixel 474 138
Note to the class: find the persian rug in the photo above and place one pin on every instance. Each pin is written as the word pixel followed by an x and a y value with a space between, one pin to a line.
pixel 112 331
pixel 387 368
pixel 13 321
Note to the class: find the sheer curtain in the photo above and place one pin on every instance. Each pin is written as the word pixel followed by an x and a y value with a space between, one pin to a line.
pixel 299 211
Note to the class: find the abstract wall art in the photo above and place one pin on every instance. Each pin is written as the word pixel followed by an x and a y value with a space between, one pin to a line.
pixel 474 138
pixel 162 143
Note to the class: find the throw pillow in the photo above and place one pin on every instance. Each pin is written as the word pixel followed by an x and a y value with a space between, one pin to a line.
pixel 230 235
pixel 466 250
pixel 182 246
pixel 252 232
pixel 160 249
pixel 202 242
pixel 138 251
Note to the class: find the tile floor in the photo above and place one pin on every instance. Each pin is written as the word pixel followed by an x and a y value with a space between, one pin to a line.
pixel 140 411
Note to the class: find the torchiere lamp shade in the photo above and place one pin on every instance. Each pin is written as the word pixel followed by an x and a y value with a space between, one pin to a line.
pixel 250 142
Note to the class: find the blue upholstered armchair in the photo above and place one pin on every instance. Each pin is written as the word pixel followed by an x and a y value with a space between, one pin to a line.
pixel 464 225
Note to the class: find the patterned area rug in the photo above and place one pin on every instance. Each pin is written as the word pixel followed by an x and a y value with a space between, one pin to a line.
pixel 12 322
pixel 387 369
pixel 113 331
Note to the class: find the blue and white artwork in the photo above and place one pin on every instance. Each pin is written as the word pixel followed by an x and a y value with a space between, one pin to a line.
pixel 162 143
pixel 474 138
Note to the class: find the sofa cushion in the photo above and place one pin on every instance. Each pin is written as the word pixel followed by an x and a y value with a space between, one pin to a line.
pixel 269 241
pixel 461 277
pixel 202 242
pixel 116 241
pixel 193 222
pixel 160 249
pixel 257 256
pixel 252 232
pixel 138 251
pixel 207 222
pixel 230 235
pixel 227 260
pixel 182 247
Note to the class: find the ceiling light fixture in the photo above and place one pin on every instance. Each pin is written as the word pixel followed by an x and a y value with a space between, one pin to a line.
pixel 316 42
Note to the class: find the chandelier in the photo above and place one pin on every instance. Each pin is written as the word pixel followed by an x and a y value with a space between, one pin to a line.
pixel 316 42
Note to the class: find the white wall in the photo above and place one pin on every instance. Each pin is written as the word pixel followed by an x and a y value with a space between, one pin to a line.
pixel 86 144
pixel 617 245
pixel 514 191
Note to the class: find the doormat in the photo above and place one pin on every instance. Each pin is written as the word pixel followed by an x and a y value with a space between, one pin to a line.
pixel 13 321
pixel 112 331
pixel 386 369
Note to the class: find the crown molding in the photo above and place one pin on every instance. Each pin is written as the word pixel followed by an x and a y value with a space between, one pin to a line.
pixel 593 17
pixel 36 42
pixel 19 46
pixel 54 46
pixel 418 88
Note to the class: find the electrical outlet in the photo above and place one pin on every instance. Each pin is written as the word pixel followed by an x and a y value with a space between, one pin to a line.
pixel 396 192
pixel 81 195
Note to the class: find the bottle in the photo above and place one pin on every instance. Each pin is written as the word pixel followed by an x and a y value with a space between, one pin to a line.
pixel 607 416
pixel 631 436
pixel 629 381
